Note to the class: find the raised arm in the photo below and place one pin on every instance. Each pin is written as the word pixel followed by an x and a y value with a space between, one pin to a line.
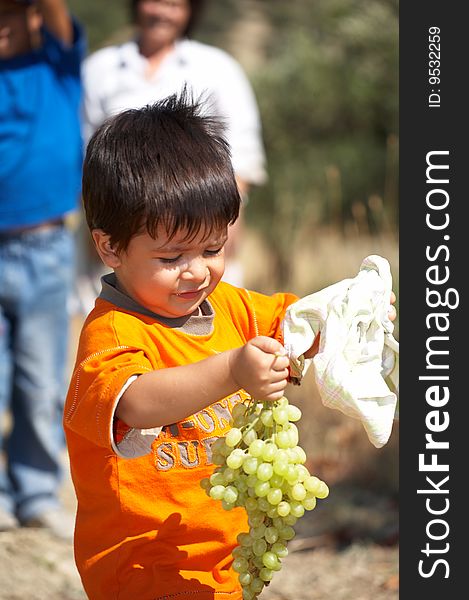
pixel 169 395
pixel 57 19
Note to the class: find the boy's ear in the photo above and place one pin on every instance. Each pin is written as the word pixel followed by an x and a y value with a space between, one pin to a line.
pixel 107 253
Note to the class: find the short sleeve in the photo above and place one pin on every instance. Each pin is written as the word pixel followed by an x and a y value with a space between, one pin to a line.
pixel 96 384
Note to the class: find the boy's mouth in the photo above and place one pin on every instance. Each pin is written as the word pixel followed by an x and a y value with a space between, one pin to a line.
pixel 189 295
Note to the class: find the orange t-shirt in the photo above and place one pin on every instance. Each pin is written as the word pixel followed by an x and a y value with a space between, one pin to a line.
pixel 145 529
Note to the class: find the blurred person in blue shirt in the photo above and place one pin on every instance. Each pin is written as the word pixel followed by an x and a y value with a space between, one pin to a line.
pixel 41 49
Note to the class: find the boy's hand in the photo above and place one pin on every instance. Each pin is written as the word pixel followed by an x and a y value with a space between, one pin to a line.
pixel 261 368
pixel 392 311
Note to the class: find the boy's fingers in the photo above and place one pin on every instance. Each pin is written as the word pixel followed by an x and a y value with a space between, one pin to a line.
pixel 280 363
pixel 268 345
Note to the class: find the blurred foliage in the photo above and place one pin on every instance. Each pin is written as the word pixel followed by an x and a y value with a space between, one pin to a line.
pixel 328 96
pixel 101 18
pixel 326 79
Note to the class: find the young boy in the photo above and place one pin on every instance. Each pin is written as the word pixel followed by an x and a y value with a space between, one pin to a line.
pixel 163 357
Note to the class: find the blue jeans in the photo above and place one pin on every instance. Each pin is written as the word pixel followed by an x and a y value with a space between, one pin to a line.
pixel 36 274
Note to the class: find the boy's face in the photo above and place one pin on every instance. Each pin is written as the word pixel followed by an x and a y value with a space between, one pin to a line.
pixel 170 277
pixel 19 23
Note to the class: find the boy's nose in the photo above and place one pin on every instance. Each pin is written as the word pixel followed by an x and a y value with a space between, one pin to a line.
pixel 196 269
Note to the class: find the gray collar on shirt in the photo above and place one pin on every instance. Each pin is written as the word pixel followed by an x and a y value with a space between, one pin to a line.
pixel 192 324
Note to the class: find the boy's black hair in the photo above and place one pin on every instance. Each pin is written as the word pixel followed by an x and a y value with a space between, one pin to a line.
pixel 196 7
pixel 164 164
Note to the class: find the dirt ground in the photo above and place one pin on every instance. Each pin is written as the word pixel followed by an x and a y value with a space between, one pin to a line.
pixel 346 549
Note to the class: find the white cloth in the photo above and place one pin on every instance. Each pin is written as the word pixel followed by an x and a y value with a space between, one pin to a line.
pixel 357 365
pixel 114 80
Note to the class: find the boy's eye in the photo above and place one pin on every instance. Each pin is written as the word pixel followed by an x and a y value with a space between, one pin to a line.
pixel 214 252
pixel 169 261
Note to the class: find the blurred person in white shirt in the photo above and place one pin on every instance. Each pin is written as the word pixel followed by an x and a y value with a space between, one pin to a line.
pixel 160 60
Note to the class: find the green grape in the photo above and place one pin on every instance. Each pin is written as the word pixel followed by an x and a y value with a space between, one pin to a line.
pixel 250 504
pixel 282 439
pixel 258 532
pixel 277 522
pixel 230 495
pixel 265 471
pixel 267 417
pixel 205 484
pixel 262 488
pixel 294 413
pixel 218 444
pixel 250 465
pixel 293 435
pixel 297 509
pixel 233 437
pixel 256 518
pixel 257 585
pixel 323 490
pixel 298 492
pixel 309 503
pixel 263 504
pixel 274 496
pixel 276 481
pixel 286 533
pixel 239 410
pixel 249 437
pixel 256 447
pixel 312 484
pixel 235 459
pixel 237 552
pixel 230 474
pixel 271 535
pixel 282 456
pixel 280 467
pixel 241 485
pixel 257 561
pixel 260 467
pixel 245 578
pixel 269 451
pixel 217 492
pixel 283 508
pixel 280 415
pixel 291 475
pixel 244 539
pixel 218 459
pixel 290 519
pixel 259 547
pixel 240 565
pixel 251 480
pixel 280 549
pixel 303 473
pixel 217 478
pixel 266 574
pixel 270 560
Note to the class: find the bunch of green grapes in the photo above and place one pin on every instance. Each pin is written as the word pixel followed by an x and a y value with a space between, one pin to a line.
pixel 260 466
